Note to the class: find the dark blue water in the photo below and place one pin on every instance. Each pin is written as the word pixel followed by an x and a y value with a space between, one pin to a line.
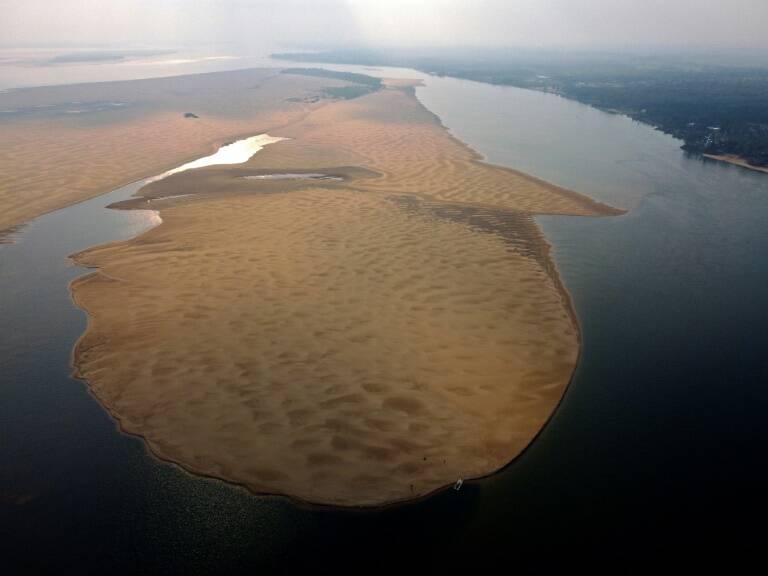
pixel 656 451
pixel 654 457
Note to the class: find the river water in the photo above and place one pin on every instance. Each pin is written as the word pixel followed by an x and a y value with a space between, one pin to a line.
pixel 656 448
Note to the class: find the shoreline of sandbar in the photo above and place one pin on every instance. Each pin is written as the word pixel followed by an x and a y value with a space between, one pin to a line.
pixel 540 243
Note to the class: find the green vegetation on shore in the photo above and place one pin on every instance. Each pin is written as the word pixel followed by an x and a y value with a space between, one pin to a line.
pixel 364 84
pixel 714 108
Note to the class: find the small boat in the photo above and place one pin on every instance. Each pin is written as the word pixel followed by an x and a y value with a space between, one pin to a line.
pixel 458 485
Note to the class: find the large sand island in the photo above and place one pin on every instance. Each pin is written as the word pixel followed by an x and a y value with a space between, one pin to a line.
pixel 362 337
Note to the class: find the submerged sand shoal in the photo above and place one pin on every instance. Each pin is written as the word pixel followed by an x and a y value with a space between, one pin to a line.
pixel 358 341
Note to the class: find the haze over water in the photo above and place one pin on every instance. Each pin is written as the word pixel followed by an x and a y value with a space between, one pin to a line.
pixel 26 68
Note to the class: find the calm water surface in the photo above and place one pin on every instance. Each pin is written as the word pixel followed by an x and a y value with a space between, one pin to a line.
pixel 656 449
pixel 33 67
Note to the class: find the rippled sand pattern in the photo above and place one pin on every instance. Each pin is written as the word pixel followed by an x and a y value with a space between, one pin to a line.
pixel 352 342
pixel 392 133
pixel 325 344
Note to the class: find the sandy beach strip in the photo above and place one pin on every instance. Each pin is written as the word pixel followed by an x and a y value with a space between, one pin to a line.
pixel 736 161
pixel 355 341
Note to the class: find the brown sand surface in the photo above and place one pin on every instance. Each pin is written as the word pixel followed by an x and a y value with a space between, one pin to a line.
pixel 324 344
pixel 392 133
pixel 737 161
pixel 65 144
pixel 352 342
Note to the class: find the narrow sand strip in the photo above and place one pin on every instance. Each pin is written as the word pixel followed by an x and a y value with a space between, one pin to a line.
pixel 736 161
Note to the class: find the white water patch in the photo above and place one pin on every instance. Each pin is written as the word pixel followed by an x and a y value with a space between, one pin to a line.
pixel 177 61
pixel 115 225
pixel 289 176
pixel 139 221
pixel 160 198
pixel 235 153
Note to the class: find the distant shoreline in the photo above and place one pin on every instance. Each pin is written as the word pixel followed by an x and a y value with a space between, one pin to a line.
pixel 696 133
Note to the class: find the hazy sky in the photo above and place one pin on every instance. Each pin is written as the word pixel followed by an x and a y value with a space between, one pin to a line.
pixel 267 24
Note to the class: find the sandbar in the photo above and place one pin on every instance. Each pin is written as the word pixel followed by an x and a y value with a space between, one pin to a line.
pixel 358 340
pixel 737 161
